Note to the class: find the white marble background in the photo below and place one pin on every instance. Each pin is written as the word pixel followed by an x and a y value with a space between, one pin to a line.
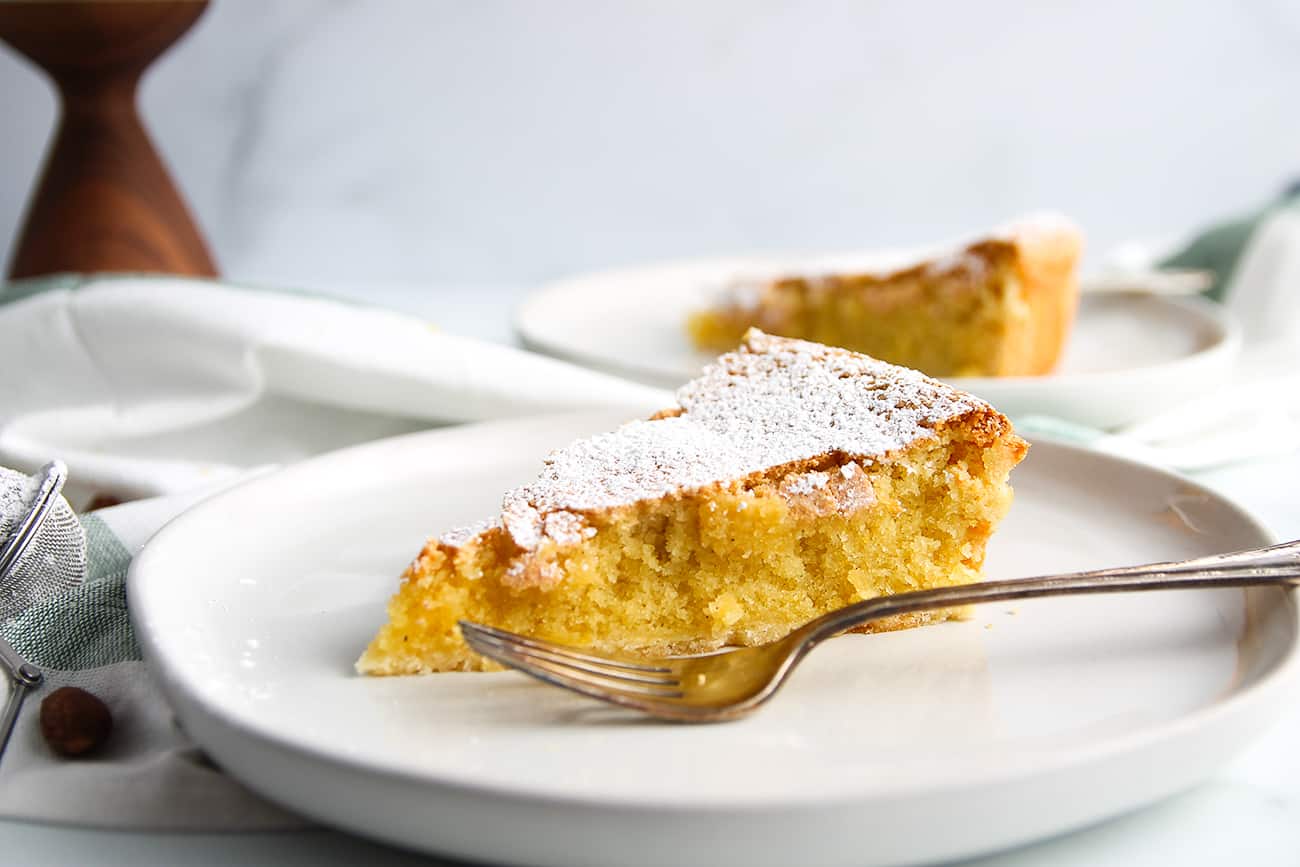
pixel 330 144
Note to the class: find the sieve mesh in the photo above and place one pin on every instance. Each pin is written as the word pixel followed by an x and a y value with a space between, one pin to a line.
pixel 54 561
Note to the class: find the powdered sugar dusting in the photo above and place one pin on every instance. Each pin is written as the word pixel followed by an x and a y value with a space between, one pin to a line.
pixel 743 293
pixel 567 528
pixel 804 483
pixel 461 535
pixel 774 402
pixel 846 491
pixel 749 292
pixel 1034 226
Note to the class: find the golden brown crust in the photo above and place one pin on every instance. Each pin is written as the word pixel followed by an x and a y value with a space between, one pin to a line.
pixel 981 428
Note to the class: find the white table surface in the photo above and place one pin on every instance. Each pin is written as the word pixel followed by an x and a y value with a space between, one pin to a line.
pixel 1248 813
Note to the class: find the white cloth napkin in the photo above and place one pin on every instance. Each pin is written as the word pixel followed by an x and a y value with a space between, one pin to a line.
pixel 146 386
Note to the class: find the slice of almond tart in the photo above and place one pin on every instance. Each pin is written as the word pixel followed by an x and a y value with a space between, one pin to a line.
pixel 998 305
pixel 791 479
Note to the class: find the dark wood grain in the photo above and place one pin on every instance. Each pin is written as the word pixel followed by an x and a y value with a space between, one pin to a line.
pixel 105 201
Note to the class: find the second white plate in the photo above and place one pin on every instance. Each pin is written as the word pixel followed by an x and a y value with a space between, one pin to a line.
pixel 1129 356
pixel 907 747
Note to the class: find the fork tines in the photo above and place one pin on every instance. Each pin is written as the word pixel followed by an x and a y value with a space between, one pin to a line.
pixel 587 673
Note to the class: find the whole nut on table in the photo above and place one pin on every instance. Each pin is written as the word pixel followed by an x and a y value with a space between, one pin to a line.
pixel 75 722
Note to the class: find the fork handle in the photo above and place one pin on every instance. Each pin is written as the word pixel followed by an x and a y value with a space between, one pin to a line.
pixel 1277 565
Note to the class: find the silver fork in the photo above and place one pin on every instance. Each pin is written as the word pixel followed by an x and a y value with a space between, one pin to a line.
pixel 732 683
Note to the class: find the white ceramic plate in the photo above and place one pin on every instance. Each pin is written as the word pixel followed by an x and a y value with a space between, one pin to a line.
pixel 898 748
pixel 1129 356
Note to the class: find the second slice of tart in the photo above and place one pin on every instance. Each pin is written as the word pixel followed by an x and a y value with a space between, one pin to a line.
pixel 999 305
pixel 791 479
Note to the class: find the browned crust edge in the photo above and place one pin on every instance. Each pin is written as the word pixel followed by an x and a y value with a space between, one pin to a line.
pixel 980 428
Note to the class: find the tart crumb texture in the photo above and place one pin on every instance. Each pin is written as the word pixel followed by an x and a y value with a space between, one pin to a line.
pixel 656 539
pixel 1002 305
